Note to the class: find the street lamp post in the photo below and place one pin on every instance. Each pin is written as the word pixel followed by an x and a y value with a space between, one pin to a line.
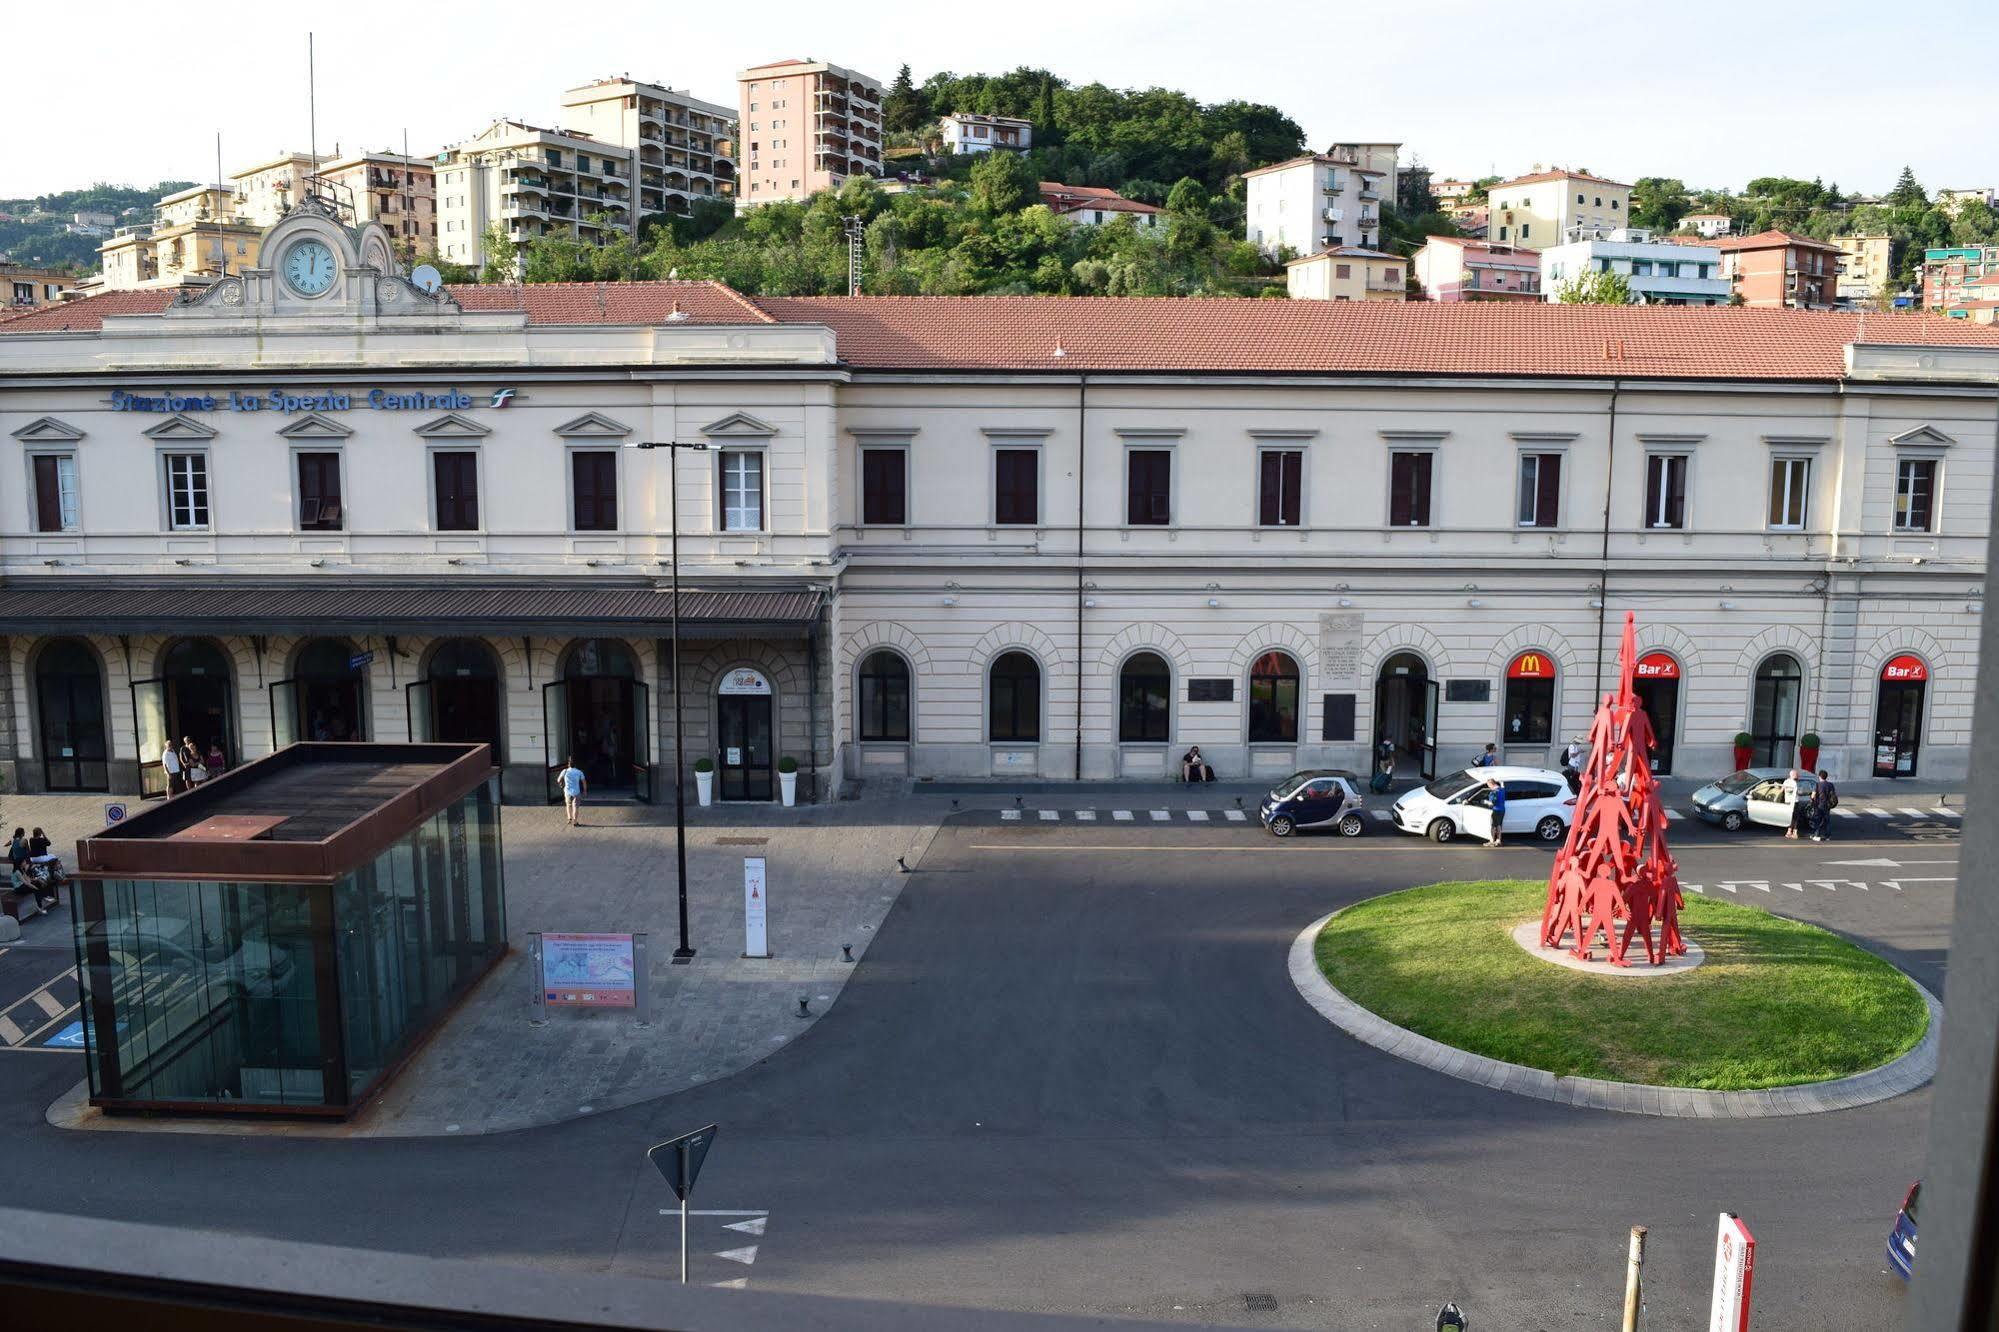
pixel 685 952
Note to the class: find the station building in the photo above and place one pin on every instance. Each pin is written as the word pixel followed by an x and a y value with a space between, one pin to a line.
pixel 972 537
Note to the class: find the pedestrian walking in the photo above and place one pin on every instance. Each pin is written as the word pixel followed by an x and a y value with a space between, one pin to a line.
pixel 1575 755
pixel 1384 765
pixel 171 765
pixel 1825 799
pixel 1498 802
pixel 1791 786
pixel 1489 759
pixel 574 786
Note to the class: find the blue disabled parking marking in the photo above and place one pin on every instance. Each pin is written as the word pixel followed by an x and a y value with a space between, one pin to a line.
pixel 69 1038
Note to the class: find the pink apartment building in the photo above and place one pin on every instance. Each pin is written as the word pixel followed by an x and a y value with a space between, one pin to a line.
pixel 1453 268
pixel 805 126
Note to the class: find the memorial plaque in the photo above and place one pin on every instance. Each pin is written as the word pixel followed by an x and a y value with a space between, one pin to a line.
pixel 1339 648
pixel 1211 691
pixel 1468 691
pixel 1336 716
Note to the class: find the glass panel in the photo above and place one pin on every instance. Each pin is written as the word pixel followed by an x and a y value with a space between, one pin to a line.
pixel 149 707
pixel 284 713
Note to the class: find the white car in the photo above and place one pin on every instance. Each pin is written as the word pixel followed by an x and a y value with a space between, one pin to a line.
pixel 1538 801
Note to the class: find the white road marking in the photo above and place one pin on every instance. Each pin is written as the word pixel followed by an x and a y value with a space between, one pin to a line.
pixel 9 1033
pixel 1047 815
pixel 1727 887
pixel 1878 812
pixel 1161 815
pixel 717 1211
pixel 733 1283
pixel 1674 816
pixel 1912 813
pixel 1121 815
pixel 1234 815
pixel 745 1255
pixel 48 1003
pixel 1381 816
pixel 1845 814
pixel 1941 812
pixel 753 1226
pixel 1694 888
pixel 1086 816
pixel 1010 815
pixel 1197 816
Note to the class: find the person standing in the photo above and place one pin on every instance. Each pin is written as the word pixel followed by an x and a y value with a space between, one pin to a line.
pixel 1825 799
pixel 1575 755
pixel 1796 806
pixel 191 762
pixel 1489 759
pixel 574 786
pixel 1384 764
pixel 171 765
pixel 1498 802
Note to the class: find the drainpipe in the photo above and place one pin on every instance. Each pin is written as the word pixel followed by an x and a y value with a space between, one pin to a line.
pixel 1082 458
pixel 812 701
pixel 1603 573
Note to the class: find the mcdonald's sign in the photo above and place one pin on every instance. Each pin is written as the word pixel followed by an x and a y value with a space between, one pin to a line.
pixel 1531 666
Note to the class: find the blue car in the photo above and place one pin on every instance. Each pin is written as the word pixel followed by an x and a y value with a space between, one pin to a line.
pixel 1902 1239
pixel 1315 798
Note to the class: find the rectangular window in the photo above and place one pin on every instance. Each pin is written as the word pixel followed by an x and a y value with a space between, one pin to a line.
pixel 593 475
pixel 1149 487
pixel 457 477
pixel 1409 489
pixel 55 493
pixel 319 508
pixel 1666 490
pixel 1016 487
pixel 1790 481
pixel 187 491
pixel 1280 473
pixel 1915 492
pixel 742 491
pixel 885 487
pixel 1540 489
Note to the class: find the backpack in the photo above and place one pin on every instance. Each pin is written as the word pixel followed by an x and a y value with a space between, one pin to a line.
pixel 1831 795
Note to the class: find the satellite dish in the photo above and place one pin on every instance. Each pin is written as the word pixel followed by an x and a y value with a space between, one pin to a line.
pixel 426 278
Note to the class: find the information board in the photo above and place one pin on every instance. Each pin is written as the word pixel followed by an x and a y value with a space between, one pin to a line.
pixel 756 907
pixel 588 971
pixel 1734 1271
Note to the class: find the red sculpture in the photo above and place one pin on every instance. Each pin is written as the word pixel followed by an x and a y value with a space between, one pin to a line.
pixel 1615 869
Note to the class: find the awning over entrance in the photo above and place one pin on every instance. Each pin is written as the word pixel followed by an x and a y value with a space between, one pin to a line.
pixel 75 606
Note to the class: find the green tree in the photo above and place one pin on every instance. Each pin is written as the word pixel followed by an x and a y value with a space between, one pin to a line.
pixel 1002 183
pixel 1047 130
pixel 1594 288
pixel 1907 193
pixel 1659 202
pixel 905 107
pixel 501 261
pixel 1187 197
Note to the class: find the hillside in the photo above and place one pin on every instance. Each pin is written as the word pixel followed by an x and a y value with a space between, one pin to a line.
pixel 36 234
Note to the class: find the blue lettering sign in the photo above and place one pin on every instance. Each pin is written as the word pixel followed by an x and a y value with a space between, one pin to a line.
pixel 293 401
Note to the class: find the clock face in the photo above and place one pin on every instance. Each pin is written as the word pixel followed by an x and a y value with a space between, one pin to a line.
pixel 309 268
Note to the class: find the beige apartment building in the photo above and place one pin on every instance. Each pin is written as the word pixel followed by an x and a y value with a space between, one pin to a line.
pixel 806 125
pixel 535 182
pixel 27 287
pixel 1865 270
pixel 197 235
pixel 265 191
pixel 1347 274
pixel 394 189
pixel 1555 207
pixel 682 148
pixel 320 502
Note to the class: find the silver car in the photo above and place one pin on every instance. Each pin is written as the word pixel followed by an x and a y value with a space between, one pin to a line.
pixel 1753 795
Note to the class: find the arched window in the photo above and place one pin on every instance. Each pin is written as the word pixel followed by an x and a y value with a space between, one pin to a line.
pixel 1145 692
pixel 70 693
pixel 884 697
pixel 1773 710
pixel 1529 718
pixel 1273 699
pixel 599 656
pixel 1014 700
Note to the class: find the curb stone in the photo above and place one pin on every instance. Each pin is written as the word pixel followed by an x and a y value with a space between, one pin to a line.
pixel 1892 1079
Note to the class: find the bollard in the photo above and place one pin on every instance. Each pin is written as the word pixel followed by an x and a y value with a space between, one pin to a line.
pixel 1634 1283
pixel 803 1011
pixel 902 864
pixel 846 952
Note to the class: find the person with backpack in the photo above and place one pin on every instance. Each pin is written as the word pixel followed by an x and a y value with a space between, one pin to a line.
pixel 1384 765
pixel 1489 759
pixel 1825 799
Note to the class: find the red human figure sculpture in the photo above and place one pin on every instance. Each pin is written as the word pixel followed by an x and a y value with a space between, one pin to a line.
pixel 1615 865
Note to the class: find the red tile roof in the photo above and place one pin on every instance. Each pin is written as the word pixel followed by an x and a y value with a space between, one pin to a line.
pixel 1770 240
pixel 1540 176
pixel 1114 204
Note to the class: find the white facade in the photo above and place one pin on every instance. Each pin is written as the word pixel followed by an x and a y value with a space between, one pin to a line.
pixel 1547 207
pixel 683 148
pixel 967 133
pixel 1757 528
pixel 1322 202
pixel 1659 272
pixel 1709 225
pixel 534 182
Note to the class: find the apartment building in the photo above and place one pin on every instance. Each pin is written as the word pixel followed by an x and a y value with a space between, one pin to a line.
pixel 533 181
pixel 1326 201
pixel 1953 200
pixel 1950 271
pixel 1777 268
pixel 1302 527
pixel 267 190
pixel 1709 225
pixel 197 235
pixel 1455 268
pixel 1865 267
pixel 1659 271
pixel 964 132
pixel 1545 207
pixel 806 126
pixel 27 287
pixel 1980 304
pixel 1448 192
pixel 1347 273
pixel 394 189
pixel 1093 205
pixel 683 149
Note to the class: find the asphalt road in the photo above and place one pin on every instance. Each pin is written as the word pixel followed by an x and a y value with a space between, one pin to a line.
pixel 1072 1074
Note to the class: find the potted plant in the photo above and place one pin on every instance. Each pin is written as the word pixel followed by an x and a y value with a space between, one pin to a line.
pixel 1808 750
pixel 787 780
pixel 1744 743
pixel 704 781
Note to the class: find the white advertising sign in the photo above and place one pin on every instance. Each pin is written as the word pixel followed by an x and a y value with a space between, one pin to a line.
pixel 756 906
pixel 1734 1271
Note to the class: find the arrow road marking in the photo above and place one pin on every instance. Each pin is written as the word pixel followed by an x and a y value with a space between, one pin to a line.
pixel 753 1226
pixel 733 1283
pixel 745 1255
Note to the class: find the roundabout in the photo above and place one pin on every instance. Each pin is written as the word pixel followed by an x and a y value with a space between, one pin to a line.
pixel 1781 1017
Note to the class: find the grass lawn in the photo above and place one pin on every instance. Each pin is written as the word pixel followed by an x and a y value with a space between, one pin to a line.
pixel 1776 1002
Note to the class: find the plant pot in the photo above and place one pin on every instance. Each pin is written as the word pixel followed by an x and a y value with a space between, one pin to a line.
pixel 787 788
pixel 1808 757
pixel 704 788
pixel 1742 756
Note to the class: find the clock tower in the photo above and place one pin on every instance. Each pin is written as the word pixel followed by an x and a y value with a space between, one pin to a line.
pixel 319 269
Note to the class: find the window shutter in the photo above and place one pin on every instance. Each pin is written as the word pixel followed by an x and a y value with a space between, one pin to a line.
pixel 48 496
pixel 1548 490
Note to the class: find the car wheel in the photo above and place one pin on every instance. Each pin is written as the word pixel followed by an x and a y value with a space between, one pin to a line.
pixel 1281 826
pixel 1732 820
pixel 1352 825
pixel 1442 831
pixel 1551 829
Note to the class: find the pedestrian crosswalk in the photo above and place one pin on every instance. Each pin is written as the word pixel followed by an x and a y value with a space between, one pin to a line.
pixel 1907 817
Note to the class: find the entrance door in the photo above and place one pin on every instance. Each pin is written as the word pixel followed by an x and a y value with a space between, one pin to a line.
pixel 554 732
pixel 744 734
pixel 642 775
pixel 601 711
pixel 1427 759
pixel 149 708
pixel 284 713
pixel 1405 711
pixel 1898 727
pixel 1773 714
pixel 1661 701
pixel 69 691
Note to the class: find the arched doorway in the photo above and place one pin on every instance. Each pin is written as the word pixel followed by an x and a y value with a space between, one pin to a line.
pixel 744 731
pixel 1405 711
pixel 1898 716
pixel 599 713
pixel 191 698
pixel 1145 700
pixel 324 698
pixel 1273 699
pixel 1773 711
pixel 457 699
pixel 69 696
pixel 1656 681
pixel 1528 720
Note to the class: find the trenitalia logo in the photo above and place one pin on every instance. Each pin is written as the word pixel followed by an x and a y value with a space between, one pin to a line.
pixel 501 397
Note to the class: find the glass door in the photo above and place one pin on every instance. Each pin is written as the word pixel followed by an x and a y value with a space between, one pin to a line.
pixel 746 747
pixel 1428 738
pixel 642 773
pixel 555 732
pixel 1773 719
pixel 1661 701
pixel 74 757
pixel 149 708
pixel 417 709
pixel 1898 728
pixel 284 713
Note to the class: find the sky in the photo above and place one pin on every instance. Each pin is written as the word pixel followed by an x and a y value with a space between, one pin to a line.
pixel 1712 94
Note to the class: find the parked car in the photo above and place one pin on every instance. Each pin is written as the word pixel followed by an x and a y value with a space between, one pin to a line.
pixel 1315 798
pixel 1538 800
pixel 1753 795
pixel 1902 1239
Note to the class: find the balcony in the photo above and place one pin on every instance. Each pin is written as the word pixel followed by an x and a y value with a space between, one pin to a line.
pixel 1369 194
pixel 1335 215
